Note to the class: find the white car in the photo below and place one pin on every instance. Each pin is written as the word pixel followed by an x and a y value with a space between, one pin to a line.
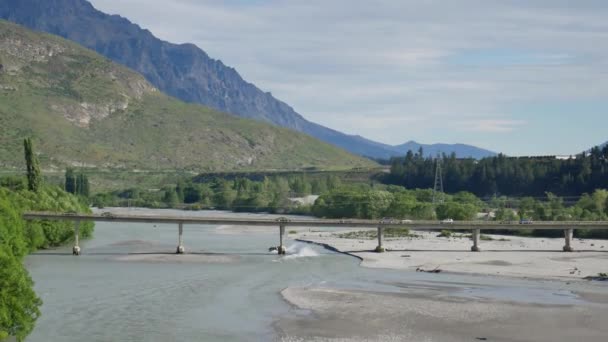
pixel 406 221
pixel 448 221
pixel 388 220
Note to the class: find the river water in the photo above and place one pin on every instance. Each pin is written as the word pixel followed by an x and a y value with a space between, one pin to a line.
pixel 126 286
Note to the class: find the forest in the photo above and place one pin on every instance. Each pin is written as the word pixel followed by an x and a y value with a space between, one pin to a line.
pixel 505 176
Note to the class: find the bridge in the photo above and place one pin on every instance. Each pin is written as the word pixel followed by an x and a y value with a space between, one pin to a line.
pixel 282 222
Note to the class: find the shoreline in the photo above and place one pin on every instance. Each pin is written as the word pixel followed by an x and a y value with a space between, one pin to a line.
pixel 432 312
pixel 329 314
pixel 508 256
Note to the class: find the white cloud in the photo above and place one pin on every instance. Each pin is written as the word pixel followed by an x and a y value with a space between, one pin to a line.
pixel 385 69
pixel 492 126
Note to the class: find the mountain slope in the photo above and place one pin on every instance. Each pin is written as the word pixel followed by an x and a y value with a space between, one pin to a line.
pixel 183 71
pixel 82 109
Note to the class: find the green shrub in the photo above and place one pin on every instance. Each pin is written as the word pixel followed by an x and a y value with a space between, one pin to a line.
pixel 18 302
pixel 445 233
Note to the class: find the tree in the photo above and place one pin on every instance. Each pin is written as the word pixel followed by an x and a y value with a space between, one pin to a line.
pixel 86 191
pixel 82 185
pixel 18 301
pixel 456 211
pixel 170 198
pixel 600 197
pixel 34 179
pixel 70 181
pixel 179 189
pixel 77 184
pixel 192 194
pixel 319 186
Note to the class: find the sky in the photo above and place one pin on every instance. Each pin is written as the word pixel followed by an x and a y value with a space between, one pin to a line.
pixel 522 77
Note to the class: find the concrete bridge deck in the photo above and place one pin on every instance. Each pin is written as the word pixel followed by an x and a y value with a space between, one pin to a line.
pixel 475 226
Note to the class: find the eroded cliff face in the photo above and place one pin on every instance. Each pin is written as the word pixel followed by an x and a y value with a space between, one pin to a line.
pixel 99 90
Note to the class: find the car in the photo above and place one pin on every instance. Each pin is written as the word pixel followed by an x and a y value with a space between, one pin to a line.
pixel 388 220
pixel 447 221
pixel 525 221
pixel 406 221
pixel 107 214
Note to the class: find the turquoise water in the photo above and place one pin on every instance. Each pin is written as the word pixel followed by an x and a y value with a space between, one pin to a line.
pixel 100 296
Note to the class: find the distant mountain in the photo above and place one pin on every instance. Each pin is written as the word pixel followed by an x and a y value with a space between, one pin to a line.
pixel 461 150
pixel 183 71
pixel 84 110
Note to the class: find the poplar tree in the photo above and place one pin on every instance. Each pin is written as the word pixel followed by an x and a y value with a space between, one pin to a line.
pixel 34 179
pixel 70 181
pixel 79 184
pixel 85 186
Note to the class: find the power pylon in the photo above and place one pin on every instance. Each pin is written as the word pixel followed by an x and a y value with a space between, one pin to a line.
pixel 438 195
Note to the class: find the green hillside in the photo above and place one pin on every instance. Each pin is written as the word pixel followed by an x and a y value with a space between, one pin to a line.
pixel 83 110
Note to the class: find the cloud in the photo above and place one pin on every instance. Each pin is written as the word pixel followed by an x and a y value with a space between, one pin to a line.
pixel 492 126
pixel 397 70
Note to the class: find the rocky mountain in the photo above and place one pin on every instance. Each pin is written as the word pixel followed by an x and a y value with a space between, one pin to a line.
pixel 183 71
pixel 84 110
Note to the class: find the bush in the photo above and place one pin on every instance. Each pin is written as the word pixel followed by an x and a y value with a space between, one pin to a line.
pixel 445 233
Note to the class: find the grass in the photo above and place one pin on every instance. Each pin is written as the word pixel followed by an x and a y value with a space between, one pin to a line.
pixel 445 233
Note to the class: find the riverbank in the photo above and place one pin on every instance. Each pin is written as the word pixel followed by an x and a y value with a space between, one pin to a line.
pixel 513 256
pixel 431 314
pixel 445 308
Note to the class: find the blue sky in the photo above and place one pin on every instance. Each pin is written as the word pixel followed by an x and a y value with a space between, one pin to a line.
pixel 519 77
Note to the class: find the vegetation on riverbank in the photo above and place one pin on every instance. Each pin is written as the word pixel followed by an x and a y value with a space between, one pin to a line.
pixel 354 199
pixel 18 302
pixel 19 305
pixel 275 194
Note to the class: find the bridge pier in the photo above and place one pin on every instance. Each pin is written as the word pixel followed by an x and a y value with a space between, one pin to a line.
pixel 568 233
pixel 180 245
pixel 76 248
pixel 281 249
pixel 475 235
pixel 380 248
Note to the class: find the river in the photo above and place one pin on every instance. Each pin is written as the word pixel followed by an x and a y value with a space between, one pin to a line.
pixel 126 286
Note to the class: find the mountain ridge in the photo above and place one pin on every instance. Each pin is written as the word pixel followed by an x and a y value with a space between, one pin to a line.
pixel 181 70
